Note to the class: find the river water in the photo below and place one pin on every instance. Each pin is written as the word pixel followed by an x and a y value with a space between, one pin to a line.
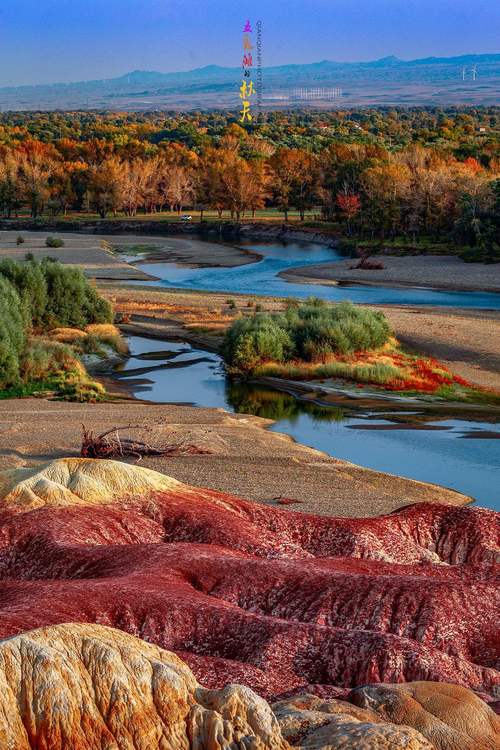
pixel 463 455
pixel 262 278
pixel 456 453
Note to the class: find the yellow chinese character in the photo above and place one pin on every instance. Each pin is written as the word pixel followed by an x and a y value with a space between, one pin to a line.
pixel 247 44
pixel 245 112
pixel 246 89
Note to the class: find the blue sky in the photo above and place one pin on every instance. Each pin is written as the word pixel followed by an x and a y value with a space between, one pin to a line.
pixel 45 41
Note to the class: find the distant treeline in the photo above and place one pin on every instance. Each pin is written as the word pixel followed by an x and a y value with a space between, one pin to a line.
pixel 376 173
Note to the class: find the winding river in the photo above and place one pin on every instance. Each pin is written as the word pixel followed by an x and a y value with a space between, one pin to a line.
pixel 262 278
pixel 455 452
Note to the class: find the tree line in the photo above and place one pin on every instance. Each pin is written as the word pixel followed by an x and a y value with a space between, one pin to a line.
pixel 365 187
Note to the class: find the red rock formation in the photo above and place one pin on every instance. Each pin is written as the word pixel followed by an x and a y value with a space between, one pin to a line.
pixel 275 599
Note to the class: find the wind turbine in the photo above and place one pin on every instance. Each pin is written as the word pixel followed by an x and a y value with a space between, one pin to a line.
pixel 464 71
pixel 474 72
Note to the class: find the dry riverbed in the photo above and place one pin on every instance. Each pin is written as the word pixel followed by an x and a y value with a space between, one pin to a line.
pixel 95 252
pixel 431 271
pixel 246 459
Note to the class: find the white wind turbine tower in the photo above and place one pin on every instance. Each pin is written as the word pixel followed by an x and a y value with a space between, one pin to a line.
pixel 464 71
pixel 474 72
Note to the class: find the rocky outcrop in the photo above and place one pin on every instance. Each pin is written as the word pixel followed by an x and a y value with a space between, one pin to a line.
pixel 78 481
pixel 277 600
pixel 449 716
pixel 88 687
pixel 310 723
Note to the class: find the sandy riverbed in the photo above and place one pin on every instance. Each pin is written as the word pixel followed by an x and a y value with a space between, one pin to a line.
pixel 247 459
pixel 93 252
pixel 432 271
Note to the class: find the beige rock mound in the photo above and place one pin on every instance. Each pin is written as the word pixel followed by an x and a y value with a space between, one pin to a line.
pixel 449 716
pixel 311 723
pixel 88 687
pixel 78 481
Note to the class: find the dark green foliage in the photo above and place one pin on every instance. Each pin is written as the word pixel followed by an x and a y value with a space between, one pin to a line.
pixel 54 295
pixel 72 301
pixel 319 329
pixel 54 242
pixel 310 331
pixel 12 334
pixel 20 240
pixel 250 341
pixel 29 280
pixel 479 227
pixel 35 297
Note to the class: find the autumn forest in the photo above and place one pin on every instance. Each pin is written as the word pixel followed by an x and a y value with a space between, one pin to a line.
pixel 377 174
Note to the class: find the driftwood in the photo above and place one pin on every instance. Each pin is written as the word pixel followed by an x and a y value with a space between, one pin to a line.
pixel 365 263
pixel 111 444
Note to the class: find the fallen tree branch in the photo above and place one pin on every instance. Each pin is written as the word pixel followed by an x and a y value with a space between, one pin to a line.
pixel 111 444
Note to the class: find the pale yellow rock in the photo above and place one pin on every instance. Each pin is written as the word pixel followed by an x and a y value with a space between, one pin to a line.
pixel 450 716
pixel 310 723
pixel 78 481
pixel 88 687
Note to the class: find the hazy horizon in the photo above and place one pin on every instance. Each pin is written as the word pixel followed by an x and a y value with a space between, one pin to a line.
pixel 85 41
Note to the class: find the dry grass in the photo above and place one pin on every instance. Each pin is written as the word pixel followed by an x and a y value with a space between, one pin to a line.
pixel 102 330
pixel 66 335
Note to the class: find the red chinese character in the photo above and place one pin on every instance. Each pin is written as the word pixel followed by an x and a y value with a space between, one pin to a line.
pixel 248 28
pixel 248 60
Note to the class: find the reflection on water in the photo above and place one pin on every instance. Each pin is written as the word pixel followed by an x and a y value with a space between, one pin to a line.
pixel 262 278
pixel 244 398
pixel 409 444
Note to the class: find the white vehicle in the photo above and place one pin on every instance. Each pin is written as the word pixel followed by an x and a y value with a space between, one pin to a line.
pixel 186 217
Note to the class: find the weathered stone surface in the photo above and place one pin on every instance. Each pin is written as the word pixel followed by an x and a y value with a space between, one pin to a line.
pixel 86 687
pixel 78 481
pixel 310 723
pixel 449 716
pixel 89 687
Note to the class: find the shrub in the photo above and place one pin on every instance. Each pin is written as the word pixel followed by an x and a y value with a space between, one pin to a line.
pixel 67 335
pixel 309 331
pixel 54 295
pixel 319 329
pixel 12 334
pixel 109 335
pixel 250 341
pixel 29 280
pixel 81 388
pixel 72 301
pixel 20 240
pixel 54 242
pixel 45 359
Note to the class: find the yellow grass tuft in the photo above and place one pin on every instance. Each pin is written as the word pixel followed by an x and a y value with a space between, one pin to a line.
pixel 102 330
pixel 66 335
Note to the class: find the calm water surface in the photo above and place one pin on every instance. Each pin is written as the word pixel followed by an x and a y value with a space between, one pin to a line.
pixel 455 453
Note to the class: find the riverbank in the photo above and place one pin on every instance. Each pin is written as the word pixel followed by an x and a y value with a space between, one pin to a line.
pixel 96 255
pixel 246 458
pixel 428 271
pixel 466 341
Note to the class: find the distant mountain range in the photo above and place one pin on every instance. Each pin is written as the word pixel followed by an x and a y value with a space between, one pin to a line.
pixel 391 81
